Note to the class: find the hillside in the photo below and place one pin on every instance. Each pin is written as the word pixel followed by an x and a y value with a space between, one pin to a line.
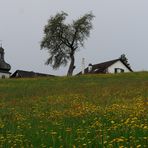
pixel 81 111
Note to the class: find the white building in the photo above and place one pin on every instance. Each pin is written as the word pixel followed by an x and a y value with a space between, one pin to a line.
pixel 4 67
pixel 119 65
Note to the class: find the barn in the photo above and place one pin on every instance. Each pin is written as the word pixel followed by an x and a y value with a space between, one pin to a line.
pixel 28 74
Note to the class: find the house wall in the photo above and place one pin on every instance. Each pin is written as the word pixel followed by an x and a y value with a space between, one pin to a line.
pixel 7 75
pixel 118 64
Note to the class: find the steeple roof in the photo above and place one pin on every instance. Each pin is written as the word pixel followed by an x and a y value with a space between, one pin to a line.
pixel 1 49
pixel 4 66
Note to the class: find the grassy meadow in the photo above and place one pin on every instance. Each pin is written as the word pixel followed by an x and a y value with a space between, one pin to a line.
pixel 92 111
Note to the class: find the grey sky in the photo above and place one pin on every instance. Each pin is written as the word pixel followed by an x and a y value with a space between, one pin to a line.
pixel 120 26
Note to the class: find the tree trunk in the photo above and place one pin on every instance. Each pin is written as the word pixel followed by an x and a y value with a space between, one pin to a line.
pixel 71 66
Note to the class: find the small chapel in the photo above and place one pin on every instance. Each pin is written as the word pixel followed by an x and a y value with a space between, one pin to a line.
pixel 4 67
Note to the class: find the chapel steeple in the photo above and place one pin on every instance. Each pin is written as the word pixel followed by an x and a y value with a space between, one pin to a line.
pixel 3 65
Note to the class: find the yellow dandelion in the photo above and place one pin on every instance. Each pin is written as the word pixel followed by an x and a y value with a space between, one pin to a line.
pixel 53 133
pixel 145 127
pixel 89 142
pixel 110 145
pixel 105 142
pixel 120 140
pixel 112 122
pixel 1 125
pixel 132 121
pixel 145 138
pixel 68 129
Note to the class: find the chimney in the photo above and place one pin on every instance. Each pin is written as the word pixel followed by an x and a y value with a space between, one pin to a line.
pixel 90 67
pixel 83 65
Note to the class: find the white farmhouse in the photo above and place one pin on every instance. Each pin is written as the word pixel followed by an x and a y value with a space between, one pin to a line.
pixel 119 65
pixel 4 67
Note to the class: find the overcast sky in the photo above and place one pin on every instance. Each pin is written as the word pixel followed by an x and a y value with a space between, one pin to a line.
pixel 120 26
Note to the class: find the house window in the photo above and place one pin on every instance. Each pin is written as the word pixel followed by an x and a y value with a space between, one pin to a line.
pixel 116 69
pixel 122 70
pixel 119 70
pixel 3 77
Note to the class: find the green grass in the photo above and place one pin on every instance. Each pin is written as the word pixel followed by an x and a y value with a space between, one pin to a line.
pixel 81 111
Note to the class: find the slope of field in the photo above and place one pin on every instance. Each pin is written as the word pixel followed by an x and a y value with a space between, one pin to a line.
pixel 81 111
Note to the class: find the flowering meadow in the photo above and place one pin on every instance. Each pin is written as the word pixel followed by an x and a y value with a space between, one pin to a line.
pixel 92 111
